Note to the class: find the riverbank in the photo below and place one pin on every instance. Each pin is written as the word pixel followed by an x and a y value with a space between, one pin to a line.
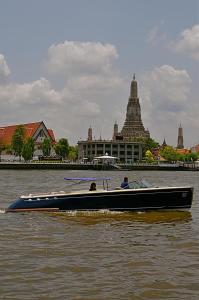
pixel 75 166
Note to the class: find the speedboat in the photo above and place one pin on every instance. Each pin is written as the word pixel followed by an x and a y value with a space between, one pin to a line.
pixel 139 196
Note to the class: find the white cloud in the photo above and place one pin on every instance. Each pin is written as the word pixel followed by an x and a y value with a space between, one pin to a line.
pixel 86 109
pixel 165 99
pixel 92 84
pixel 72 57
pixel 37 92
pixel 4 69
pixel 169 87
pixel 188 43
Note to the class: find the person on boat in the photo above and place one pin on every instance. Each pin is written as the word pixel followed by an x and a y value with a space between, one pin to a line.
pixel 125 183
pixel 93 186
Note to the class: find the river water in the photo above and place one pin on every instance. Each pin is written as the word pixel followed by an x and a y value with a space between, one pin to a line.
pixel 93 256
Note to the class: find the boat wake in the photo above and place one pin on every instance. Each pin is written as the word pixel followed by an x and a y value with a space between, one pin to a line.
pixel 91 212
pixel 2 211
pixel 140 216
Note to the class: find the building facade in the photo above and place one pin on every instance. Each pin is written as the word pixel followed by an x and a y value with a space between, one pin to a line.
pixel 126 152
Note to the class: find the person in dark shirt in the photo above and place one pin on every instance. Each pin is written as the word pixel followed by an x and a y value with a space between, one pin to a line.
pixel 125 183
pixel 93 186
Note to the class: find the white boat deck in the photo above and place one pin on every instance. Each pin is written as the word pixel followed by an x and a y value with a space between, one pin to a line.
pixel 82 192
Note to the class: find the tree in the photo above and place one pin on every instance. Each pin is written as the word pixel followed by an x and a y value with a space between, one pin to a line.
pixel 2 148
pixel 150 144
pixel 191 157
pixel 62 148
pixel 18 140
pixel 149 156
pixel 170 154
pixel 73 153
pixel 28 149
pixel 46 147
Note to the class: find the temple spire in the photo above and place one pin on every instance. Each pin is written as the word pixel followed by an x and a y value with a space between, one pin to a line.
pixel 90 134
pixel 115 131
pixel 134 88
pixel 133 126
pixel 180 143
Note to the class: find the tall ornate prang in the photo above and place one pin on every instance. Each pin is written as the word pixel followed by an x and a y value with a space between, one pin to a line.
pixel 180 144
pixel 133 126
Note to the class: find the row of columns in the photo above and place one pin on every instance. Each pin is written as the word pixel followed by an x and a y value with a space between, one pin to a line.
pixel 89 150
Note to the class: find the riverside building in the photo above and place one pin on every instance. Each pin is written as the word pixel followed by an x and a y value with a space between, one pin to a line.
pixel 126 145
pixel 37 131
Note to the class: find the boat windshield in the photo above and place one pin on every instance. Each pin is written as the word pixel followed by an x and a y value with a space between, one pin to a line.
pixel 79 180
pixel 137 184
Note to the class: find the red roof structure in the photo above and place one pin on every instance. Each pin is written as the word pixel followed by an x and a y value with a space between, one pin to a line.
pixel 195 148
pixel 31 130
pixel 183 151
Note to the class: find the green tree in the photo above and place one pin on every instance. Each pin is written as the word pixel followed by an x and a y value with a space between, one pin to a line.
pixel 28 149
pixel 18 141
pixel 150 144
pixel 62 148
pixel 8 149
pixel 181 157
pixel 2 148
pixel 170 154
pixel 73 153
pixel 149 156
pixel 191 157
pixel 46 147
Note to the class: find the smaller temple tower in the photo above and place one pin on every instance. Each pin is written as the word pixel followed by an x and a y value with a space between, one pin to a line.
pixel 164 144
pixel 180 144
pixel 90 137
pixel 115 131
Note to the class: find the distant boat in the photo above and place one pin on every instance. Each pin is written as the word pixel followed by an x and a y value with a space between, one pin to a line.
pixel 140 196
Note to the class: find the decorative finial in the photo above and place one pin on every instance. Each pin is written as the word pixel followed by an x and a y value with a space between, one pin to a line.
pixel 134 76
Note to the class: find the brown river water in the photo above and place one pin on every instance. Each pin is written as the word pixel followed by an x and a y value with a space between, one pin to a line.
pixel 99 255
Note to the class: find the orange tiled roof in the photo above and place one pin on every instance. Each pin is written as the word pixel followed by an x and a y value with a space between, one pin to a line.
pixel 7 132
pixel 183 151
pixel 51 133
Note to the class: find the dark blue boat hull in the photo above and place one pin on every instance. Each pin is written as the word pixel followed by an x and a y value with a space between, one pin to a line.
pixel 124 200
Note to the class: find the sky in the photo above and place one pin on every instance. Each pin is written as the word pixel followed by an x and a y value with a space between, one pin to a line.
pixel 70 64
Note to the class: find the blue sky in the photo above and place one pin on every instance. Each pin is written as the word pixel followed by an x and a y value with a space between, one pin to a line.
pixel 70 64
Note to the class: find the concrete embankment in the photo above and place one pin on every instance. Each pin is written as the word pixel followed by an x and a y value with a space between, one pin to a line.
pixel 53 166
pixel 65 166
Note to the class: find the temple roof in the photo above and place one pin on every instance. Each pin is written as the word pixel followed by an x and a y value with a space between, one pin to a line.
pixel 7 132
